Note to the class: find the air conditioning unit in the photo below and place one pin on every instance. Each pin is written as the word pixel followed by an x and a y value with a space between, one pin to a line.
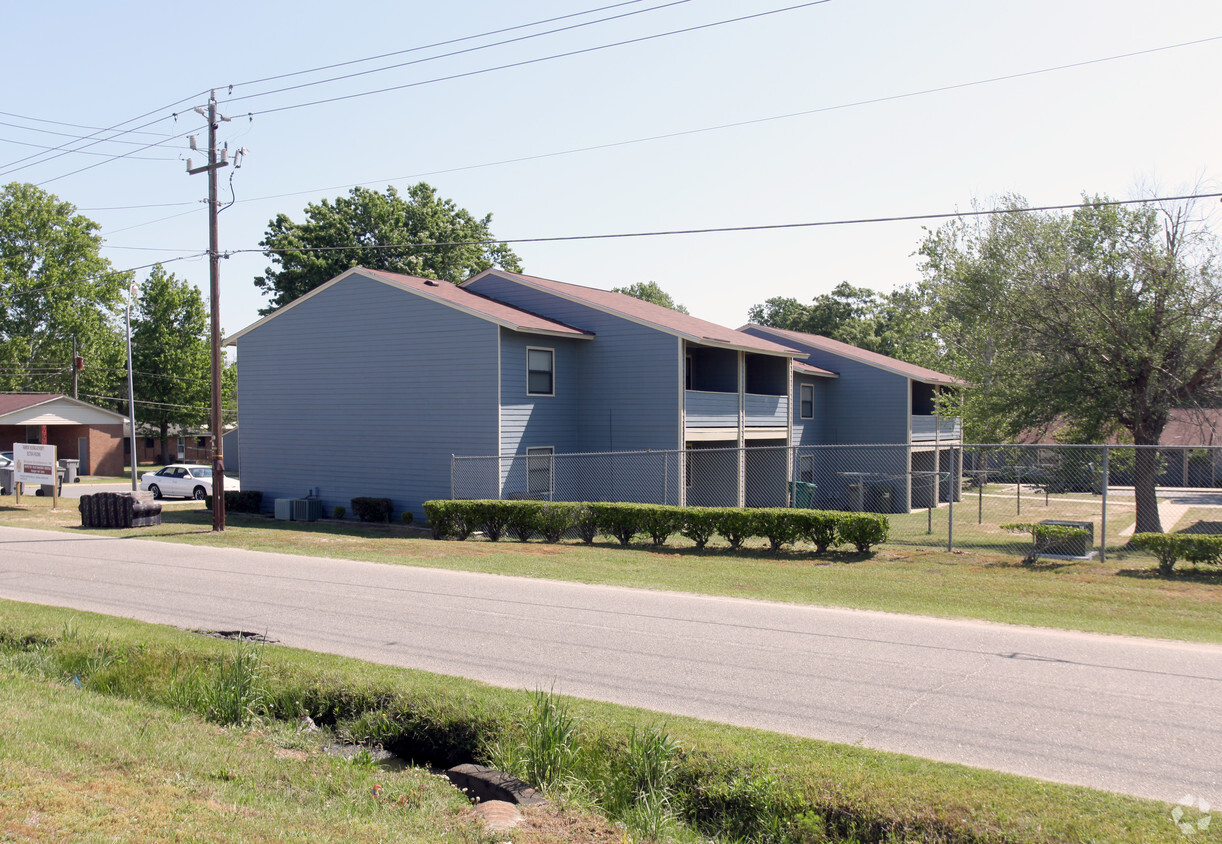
pixel 284 509
pixel 307 509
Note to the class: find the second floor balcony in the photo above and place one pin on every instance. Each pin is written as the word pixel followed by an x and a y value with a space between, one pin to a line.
pixel 706 409
pixel 929 429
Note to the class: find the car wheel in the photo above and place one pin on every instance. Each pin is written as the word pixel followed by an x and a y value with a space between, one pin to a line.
pixel 156 490
pixel 200 493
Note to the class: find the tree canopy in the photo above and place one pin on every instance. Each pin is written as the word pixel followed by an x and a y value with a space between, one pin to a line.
pixel 431 237
pixel 55 286
pixel 171 356
pixel 862 317
pixel 649 291
pixel 1104 321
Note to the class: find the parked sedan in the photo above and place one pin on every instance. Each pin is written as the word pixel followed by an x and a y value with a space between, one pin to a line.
pixel 182 480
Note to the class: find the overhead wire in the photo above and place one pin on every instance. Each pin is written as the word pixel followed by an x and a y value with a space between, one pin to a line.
pixel 29 290
pixel 540 59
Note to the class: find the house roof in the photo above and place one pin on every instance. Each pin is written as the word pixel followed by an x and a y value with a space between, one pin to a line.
pixel 1186 428
pixel 810 369
pixel 52 409
pixel 647 313
pixel 445 293
pixel 826 344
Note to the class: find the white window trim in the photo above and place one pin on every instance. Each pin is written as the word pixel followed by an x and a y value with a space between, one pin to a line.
pixel 802 389
pixel 549 452
pixel 550 351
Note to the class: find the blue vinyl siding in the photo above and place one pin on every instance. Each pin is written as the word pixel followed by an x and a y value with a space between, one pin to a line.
pixel 365 390
pixel 629 375
pixel 809 431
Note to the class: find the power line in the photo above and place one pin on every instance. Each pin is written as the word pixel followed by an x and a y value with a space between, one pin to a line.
pixel 77 137
pixel 433 45
pixel 907 218
pixel 539 59
pixel 98 277
pixel 84 152
pixel 457 52
pixel 71 125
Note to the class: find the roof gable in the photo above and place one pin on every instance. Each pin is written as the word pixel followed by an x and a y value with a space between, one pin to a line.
pixel 53 409
pixel 442 292
pixel 646 313
pixel 845 350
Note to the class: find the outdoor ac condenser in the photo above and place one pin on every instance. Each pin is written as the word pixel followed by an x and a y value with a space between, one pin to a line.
pixel 307 509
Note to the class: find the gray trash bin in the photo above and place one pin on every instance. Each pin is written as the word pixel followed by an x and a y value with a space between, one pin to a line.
pixel 49 489
pixel 71 469
pixel 6 481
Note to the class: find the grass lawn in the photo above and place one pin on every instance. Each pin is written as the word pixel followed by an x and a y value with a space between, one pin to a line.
pixel 100 743
pixel 1125 595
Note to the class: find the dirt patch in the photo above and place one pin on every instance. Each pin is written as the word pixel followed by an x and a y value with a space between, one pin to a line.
pixel 236 635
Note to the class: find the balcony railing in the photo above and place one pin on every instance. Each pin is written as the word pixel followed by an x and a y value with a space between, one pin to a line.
pixel 927 429
pixel 720 410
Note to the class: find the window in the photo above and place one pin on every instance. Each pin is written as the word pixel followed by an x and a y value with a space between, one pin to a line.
pixel 182 449
pixel 540 370
pixel 539 470
pixel 807 401
pixel 806 468
pixel 148 442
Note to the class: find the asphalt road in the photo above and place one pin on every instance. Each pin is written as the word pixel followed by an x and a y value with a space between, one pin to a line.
pixel 1131 715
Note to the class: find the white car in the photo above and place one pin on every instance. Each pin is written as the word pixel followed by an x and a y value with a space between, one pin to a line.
pixel 183 480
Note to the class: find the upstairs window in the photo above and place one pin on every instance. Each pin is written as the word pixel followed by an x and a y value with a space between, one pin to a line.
pixel 806 404
pixel 540 372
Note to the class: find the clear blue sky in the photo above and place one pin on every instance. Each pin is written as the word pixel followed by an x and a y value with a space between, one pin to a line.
pixel 1105 127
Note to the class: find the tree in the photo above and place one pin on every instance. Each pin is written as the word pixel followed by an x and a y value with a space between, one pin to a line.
pixel 858 316
pixel 171 356
pixel 56 287
pixel 1104 320
pixel 433 237
pixel 649 291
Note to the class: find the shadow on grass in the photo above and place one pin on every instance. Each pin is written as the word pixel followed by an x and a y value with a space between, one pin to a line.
pixel 761 554
pixel 1203 527
pixel 1186 575
pixel 1037 565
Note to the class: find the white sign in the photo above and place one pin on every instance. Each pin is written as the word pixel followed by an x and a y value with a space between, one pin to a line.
pixel 34 464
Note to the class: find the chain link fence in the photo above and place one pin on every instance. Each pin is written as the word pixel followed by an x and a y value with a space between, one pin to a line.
pixel 936 495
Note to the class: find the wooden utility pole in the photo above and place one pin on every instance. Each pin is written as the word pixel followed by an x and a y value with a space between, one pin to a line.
pixel 214 266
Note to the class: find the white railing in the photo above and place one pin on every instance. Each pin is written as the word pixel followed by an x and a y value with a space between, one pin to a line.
pixel 936 428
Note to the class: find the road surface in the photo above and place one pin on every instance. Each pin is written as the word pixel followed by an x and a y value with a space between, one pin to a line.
pixel 1137 716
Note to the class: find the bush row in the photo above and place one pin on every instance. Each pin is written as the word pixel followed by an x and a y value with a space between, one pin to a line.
pixel 239 501
pixel 552 520
pixel 1170 548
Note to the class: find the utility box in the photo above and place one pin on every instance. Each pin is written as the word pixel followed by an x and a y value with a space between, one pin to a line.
pixel 856 496
pixel 880 498
pixel 1072 546
pixel 284 509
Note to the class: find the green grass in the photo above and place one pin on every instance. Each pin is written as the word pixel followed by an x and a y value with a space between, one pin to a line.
pixel 1124 596
pixel 79 765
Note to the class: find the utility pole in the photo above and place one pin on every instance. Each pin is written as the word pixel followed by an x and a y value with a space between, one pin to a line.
pixel 214 261
pixel 76 366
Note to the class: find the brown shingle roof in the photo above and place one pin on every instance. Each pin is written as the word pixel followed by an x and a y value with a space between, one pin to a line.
pixel 810 369
pixel 18 401
pixel 641 311
pixel 816 341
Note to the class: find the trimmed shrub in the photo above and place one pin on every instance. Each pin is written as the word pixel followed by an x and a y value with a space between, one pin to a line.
pixel 780 525
pixel 372 509
pixel 586 524
pixel 450 519
pixel 554 518
pixel 1169 548
pixel 1045 536
pixel 661 521
pixel 339 511
pixel 491 516
pixel 522 519
pixel 699 524
pixel 822 529
pixel 623 521
pixel 239 501
pixel 407 517
pixel 864 530
pixel 736 524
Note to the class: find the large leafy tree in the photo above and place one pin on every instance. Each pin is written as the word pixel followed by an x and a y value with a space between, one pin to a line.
pixel 171 357
pixel 859 316
pixel 431 237
pixel 55 287
pixel 650 291
pixel 1104 320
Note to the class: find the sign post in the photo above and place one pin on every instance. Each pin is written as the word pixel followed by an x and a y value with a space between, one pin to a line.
pixel 35 464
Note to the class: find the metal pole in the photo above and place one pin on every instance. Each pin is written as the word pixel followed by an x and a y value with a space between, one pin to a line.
pixel 1103 518
pixel 950 519
pixel 131 392
pixel 451 478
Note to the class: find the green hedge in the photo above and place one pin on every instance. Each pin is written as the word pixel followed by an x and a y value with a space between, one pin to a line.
pixel 371 509
pixel 239 501
pixel 625 522
pixel 1170 548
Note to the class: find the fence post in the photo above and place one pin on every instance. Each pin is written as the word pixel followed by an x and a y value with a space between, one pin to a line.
pixel 1103 518
pixel 451 477
pixel 950 519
